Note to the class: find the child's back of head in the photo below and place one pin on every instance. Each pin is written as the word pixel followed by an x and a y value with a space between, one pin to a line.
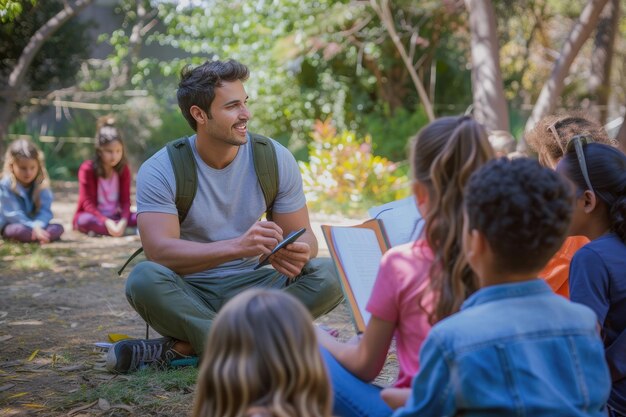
pixel 523 211
pixel 262 357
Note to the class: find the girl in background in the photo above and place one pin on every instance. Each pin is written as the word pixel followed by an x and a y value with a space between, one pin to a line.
pixel 104 186
pixel 597 275
pixel 418 283
pixel 262 359
pixel 25 196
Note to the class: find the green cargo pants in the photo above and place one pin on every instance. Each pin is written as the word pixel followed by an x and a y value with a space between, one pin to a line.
pixel 184 309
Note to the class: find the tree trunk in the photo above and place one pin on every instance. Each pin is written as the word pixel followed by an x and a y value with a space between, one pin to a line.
pixel 602 58
pixel 553 88
pixel 490 107
pixel 15 84
pixel 621 135
pixel 384 13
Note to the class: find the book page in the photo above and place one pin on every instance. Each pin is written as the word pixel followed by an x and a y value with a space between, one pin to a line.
pixel 403 222
pixel 360 254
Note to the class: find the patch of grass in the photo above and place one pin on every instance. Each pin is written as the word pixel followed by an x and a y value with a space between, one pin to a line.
pixel 38 260
pixel 150 390
pixel 30 256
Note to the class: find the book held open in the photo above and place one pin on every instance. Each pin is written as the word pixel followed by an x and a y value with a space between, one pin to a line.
pixel 357 250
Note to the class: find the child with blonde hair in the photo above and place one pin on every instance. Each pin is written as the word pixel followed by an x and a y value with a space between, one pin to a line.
pixel 104 186
pixel 262 359
pixel 25 196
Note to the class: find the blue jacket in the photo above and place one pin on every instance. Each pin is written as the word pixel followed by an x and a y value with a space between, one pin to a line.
pixel 18 207
pixel 513 350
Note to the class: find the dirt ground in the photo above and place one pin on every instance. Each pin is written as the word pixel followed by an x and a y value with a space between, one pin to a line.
pixel 51 318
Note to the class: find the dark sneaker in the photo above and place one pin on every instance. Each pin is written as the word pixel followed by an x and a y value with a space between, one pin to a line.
pixel 132 354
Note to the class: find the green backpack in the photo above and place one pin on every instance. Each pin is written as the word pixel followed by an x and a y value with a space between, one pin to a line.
pixel 184 165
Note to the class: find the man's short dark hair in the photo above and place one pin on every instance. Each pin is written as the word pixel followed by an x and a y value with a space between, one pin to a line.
pixel 523 210
pixel 197 84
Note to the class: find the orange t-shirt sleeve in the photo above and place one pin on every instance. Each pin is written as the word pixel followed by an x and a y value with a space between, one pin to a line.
pixel 556 272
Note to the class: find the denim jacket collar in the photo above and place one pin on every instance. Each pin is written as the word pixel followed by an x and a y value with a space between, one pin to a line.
pixel 510 290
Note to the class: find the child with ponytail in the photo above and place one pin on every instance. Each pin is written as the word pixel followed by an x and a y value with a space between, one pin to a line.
pixel 418 283
pixel 104 186
pixel 597 275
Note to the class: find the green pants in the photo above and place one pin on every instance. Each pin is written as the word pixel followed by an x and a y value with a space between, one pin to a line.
pixel 184 309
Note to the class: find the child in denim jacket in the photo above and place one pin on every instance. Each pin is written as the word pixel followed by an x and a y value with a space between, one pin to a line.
pixel 515 348
pixel 25 196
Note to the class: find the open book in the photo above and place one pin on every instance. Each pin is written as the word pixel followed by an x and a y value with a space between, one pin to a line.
pixel 357 250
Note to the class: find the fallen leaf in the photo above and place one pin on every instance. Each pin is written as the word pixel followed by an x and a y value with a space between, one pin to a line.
pixel 19 394
pixel 108 265
pixel 34 405
pixel 26 323
pixel 81 408
pixel 32 355
pixel 124 407
pixel 5 337
pixel 104 404
pixel 116 337
pixel 3 314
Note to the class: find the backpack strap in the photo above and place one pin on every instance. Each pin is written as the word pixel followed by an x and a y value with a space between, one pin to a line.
pixel 266 168
pixel 184 166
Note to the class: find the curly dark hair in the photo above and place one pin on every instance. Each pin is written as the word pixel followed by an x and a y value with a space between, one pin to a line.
pixel 523 210
pixel 606 166
pixel 550 135
pixel 197 84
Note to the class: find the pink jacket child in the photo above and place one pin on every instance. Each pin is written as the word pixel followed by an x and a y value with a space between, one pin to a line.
pixel 104 186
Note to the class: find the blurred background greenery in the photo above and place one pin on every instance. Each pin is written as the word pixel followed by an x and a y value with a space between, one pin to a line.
pixel 327 79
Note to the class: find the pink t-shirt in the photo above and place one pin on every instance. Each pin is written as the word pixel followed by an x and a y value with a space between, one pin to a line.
pixel 109 195
pixel 402 275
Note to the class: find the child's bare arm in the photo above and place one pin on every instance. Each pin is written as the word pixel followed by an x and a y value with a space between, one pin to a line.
pixel 395 397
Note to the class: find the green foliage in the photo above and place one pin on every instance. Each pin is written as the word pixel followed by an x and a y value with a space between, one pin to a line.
pixel 58 60
pixel 391 133
pixel 343 175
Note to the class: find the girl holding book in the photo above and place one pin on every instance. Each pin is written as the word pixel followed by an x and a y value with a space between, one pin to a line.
pixel 418 283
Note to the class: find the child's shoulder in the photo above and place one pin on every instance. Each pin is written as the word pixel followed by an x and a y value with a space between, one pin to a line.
pixel 514 319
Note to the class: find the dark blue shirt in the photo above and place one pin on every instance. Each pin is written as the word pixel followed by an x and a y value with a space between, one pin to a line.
pixel 513 350
pixel 597 278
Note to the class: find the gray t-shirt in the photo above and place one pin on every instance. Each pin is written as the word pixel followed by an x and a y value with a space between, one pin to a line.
pixel 228 201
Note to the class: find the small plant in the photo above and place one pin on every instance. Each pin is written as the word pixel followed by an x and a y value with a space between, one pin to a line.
pixel 343 175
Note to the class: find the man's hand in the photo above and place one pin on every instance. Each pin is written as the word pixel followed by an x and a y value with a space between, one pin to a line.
pixel 40 235
pixel 260 239
pixel 290 260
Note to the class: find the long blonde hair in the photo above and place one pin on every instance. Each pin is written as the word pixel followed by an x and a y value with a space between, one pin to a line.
pixel 262 353
pixel 25 149
pixel 443 156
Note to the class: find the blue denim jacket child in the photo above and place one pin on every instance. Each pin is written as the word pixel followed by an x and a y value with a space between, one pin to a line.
pixel 513 350
pixel 19 207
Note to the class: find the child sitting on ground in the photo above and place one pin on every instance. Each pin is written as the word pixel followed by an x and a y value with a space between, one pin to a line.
pixel 598 270
pixel 515 348
pixel 104 186
pixel 549 138
pixel 262 360
pixel 443 154
pixel 25 196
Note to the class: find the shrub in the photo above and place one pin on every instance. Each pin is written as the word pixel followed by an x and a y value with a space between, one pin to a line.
pixel 343 175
